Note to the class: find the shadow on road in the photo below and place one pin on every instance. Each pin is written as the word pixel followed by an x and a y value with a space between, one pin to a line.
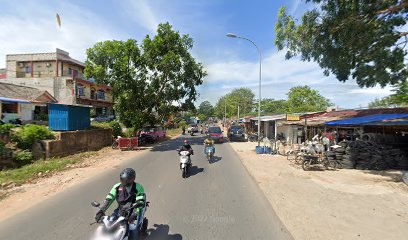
pixel 215 159
pixel 173 145
pixel 194 170
pixel 161 231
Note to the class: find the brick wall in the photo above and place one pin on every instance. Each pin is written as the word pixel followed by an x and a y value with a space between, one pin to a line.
pixel 72 142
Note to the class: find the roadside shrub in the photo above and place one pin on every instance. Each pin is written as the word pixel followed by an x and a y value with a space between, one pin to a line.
pixel 116 128
pixel 130 132
pixel 24 156
pixel 26 136
pixel 5 152
pixel 5 129
pixel 104 125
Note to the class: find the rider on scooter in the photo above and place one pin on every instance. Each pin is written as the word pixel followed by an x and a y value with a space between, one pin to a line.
pixel 123 192
pixel 208 142
pixel 186 147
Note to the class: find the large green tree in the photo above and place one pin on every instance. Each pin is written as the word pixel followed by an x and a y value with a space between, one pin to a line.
pixel 206 109
pixel 305 99
pixel 352 39
pixel 242 97
pixel 149 81
pixel 269 105
pixel 398 98
pixel 220 106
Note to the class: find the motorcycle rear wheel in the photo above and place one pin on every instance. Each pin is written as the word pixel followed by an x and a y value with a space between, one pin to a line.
pixel 330 164
pixel 114 145
pixel 184 172
pixel 306 165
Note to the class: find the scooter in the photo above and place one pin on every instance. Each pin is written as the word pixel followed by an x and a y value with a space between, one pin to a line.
pixel 185 163
pixel 209 152
pixel 115 142
pixel 118 227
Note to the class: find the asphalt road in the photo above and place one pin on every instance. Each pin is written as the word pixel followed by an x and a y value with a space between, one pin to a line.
pixel 217 201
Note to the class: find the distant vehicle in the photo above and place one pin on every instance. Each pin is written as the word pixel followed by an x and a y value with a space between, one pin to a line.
pixel 236 133
pixel 216 134
pixel 145 139
pixel 193 128
pixel 156 132
pixel 103 118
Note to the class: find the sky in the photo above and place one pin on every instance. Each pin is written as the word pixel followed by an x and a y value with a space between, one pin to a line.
pixel 30 26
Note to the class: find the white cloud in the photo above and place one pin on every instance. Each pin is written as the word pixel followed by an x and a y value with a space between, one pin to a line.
pixel 372 91
pixel 25 31
pixel 278 76
pixel 140 12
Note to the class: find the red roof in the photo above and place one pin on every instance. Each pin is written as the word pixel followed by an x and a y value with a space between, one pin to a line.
pixel 342 114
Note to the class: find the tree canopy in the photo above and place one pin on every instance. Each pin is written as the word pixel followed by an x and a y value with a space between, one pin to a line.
pixel 151 80
pixel 398 98
pixel 362 40
pixel 269 105
pixel 206 109
pixel 305 99
pixel 242 97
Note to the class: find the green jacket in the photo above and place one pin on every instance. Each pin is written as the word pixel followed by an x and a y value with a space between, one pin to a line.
pixel 115 193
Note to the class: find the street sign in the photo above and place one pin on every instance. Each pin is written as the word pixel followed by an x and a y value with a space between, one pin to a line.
pixel 292 117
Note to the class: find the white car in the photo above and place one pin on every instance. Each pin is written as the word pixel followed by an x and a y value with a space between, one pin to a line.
pixel 193 128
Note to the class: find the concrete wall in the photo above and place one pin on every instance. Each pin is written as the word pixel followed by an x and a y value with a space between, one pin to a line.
pixel 44 84
pixel 72 142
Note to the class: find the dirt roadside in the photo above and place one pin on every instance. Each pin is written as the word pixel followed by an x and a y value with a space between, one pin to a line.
pixel 342 204
pixel 27 195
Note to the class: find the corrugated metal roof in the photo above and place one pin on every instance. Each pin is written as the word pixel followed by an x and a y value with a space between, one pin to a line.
pixel 31 94
pixel 270 118
pixel 366 119
pixel 320 119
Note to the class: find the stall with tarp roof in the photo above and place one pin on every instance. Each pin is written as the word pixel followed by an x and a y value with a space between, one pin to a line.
pixel 268 125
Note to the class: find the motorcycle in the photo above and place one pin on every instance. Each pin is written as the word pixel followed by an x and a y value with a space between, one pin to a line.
pixel 185 163
pixel 310 160
pixel 118 227
pixel 115 142
pixel 209 152
pixel 192 133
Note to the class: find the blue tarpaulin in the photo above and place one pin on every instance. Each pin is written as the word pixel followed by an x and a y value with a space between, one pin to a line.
pixel 366 119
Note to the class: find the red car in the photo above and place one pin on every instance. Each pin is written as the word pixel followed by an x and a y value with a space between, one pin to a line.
pixel 216 134
pixel 156 132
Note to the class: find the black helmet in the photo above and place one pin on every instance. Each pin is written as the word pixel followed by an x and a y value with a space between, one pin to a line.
pixel 127 177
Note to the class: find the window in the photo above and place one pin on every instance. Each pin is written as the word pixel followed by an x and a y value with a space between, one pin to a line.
pixel 75 73
pixel 69 71
pixel 101 95
pixel 92 93
pixel 9 107
pixel 27 69
pixel 80 90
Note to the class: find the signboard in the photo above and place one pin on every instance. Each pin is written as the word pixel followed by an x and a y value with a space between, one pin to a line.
pixel 292 117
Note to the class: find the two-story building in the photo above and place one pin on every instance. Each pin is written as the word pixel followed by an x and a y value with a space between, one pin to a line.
pixel 58 73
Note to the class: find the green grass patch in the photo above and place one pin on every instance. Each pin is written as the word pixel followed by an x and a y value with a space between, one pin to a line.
pixel 30 171
pixel 173 132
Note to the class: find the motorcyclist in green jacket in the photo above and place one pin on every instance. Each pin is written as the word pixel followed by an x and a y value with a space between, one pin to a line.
pixel 127 190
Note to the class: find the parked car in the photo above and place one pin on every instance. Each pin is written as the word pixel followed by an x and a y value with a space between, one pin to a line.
pixel 193 128
pixel 145 139
pixel 236 133
pixel 216 134
pixel 156 132
pixel 103 118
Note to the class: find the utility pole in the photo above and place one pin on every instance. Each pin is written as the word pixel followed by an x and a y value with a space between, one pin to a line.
pixel 225 109
pixel 238 112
